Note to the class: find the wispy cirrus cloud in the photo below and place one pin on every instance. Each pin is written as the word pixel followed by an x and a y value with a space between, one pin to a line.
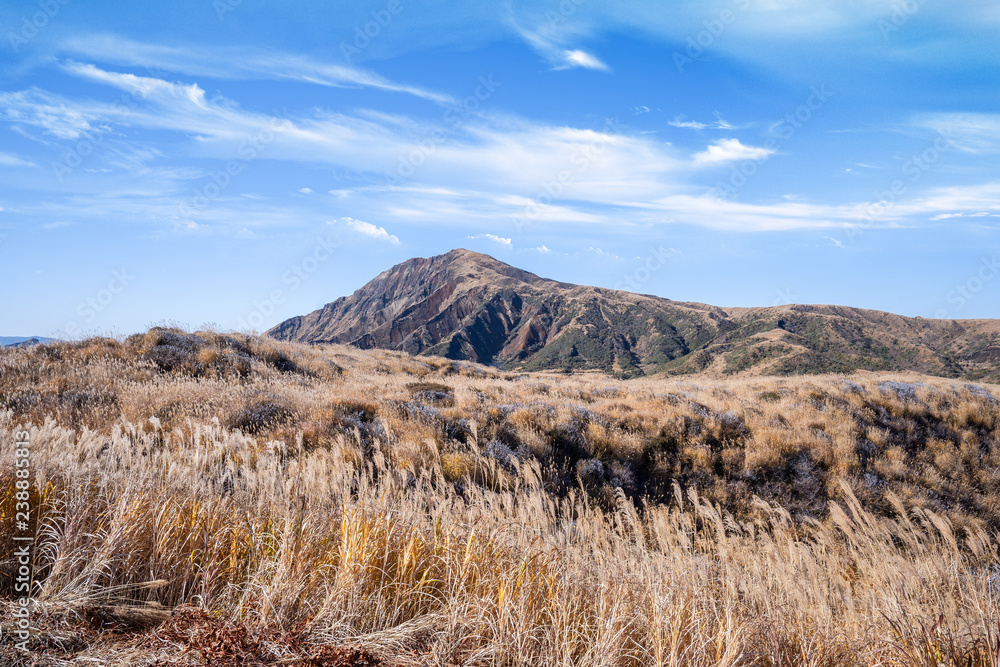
pixel 8 160
pixel 964 214
pixel 513 151
pixel 494 167
pixel 979 200
pixel 235 64
pixel 968 132
pixel 56 116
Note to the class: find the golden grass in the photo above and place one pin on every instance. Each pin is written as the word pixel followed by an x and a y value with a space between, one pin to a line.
pixel 529 520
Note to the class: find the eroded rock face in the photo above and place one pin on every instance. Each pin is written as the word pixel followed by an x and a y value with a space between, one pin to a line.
pixel 465 305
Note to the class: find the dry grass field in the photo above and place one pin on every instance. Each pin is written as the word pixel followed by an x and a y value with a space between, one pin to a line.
pixel 211 499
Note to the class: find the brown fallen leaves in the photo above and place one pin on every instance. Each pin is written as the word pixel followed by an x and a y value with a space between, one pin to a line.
pixel 228 645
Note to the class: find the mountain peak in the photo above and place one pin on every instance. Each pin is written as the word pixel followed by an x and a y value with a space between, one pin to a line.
pixel 463 265
pixel 462 258
pixel 463 253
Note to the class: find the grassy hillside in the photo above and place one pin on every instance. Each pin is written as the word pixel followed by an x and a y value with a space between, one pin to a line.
pixel 809 340
pixel 255 501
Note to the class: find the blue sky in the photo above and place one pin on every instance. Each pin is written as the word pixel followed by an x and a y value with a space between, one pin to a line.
pixel 239 162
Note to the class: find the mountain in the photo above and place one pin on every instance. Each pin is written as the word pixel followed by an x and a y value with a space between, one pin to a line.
pixel 23 341
pixel 466 305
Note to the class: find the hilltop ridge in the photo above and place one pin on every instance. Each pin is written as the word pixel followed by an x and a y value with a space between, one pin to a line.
pixel 470 306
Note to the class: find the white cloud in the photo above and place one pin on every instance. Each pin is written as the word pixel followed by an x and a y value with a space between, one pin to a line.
pixel 967 132
pixel 56 117
pixel 142 86
pixel 543 249
pixel 511 154
pixel 306 191
pixel 717 213
pixel 507 159
pixel 229 63
pixel 8 160
pixel 506 243
pixel 577 58
pixel 718 124
pixel 490 168
pixel 724 214
pixel 600 252
pixel 368 229
pixel 551 42
pixel 980 214
pixel 730 150
pixel 956 201
pixel 690 124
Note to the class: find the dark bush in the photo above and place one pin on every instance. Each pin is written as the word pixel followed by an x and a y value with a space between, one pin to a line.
pixel 260 415
pixel 433 393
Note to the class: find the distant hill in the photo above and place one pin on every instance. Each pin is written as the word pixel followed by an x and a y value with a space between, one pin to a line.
pixel 19 341
pixel 466 305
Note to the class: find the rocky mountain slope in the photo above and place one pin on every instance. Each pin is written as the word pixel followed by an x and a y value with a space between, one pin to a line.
pixel 465 305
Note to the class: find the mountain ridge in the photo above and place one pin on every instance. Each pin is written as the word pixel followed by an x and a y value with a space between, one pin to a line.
pixel 21 341
pixel 467 305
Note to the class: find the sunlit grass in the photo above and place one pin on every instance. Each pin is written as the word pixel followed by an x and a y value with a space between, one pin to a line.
pixel 448 531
